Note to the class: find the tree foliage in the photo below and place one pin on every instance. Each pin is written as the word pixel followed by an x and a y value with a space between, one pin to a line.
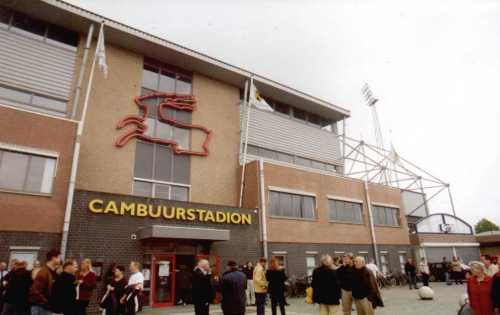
pixel 485 225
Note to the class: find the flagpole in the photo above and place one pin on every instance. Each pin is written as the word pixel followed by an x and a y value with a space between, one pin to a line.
pixel 245 145
pixel 76 153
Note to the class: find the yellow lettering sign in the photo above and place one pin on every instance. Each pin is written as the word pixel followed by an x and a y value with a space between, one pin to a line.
pixel 168 213
pixel 96 205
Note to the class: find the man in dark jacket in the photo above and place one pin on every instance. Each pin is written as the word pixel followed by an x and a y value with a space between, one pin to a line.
pixel 202 290
pixel 345 275
pixel 365 290
pixel 41 289
pixel 16 291
pixel 233 285
pixel 64 290
pixel 411 273
pixel 326 287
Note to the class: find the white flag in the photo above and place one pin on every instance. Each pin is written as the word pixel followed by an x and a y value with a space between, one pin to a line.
pixel 257 100
pixel 100 51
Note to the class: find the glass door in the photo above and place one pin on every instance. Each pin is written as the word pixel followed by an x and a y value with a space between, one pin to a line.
pixel 163 280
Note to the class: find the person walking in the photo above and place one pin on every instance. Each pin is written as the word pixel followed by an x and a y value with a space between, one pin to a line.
pixel 424 271
pixel 87 282
pixel 135 285
pixel 276 277
pixel 64 290
pixel 115 290
pixel 365 290
pixel 202 291
pixel 411 273
pixel 495 293
pixel 233 284
pixel 17 289
pixel 41 289
pixel 491 269
pixel 260 285
pixel 326 287
pixel 456 270
pixel 250 292
pixel 479 290
pixel 346 279
pixel 446 270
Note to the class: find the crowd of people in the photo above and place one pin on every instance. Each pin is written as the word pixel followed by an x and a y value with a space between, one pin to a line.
pixel 337 286
pixel 65 287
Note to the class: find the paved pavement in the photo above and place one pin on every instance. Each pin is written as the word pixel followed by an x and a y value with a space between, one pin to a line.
pixel 398 301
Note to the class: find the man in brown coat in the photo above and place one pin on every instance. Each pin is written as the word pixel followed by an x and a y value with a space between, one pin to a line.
pixel 365 290
pixel 42 285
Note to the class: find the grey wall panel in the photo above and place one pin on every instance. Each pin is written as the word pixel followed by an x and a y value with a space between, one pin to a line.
pixel 36 66
pixel 468 254
pixel 271 131
pixel 436 254
pixel 413 201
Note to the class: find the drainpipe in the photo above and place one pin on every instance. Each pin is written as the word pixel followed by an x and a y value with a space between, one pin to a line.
pixel 263 208
pixel 76 156
pixel 372 226
pixel 247 105
pixel 82 72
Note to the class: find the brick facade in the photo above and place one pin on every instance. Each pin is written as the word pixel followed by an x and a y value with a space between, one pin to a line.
pixel 45 241
pixel 296 253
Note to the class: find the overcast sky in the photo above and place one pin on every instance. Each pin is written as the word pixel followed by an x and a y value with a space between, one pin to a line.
pixel 434 65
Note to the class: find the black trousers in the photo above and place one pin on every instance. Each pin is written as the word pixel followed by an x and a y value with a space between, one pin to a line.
pixel 81 307
pixel 201 309
pixel 275 302
pixel 425 279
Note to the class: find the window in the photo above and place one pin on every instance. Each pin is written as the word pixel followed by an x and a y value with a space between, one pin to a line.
pixel 310 265
pixel 284 204
pixel 299 114
pixel 282 108
pixel 289 158
pixel 346 211
pixel 365 256
pixel 158 172
pixel 384 263
pixel 26 172
pixel 24 254
pixel 402 261
pixel 385 216
pixel 21 23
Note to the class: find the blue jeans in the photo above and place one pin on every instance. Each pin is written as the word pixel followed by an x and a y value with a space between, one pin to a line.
pixel 260 302
pixel 38 310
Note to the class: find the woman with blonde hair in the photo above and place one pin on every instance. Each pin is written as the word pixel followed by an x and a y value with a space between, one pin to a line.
pixel 276 277
pixel 479 290
pixel 86 283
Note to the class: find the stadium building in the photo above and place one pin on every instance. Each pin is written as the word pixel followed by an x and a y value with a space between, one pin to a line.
pixel 159 155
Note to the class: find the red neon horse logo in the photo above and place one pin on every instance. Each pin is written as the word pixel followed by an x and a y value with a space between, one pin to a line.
pixel 172 100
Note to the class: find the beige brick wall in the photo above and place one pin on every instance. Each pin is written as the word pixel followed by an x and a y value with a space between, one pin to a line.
pixel 214 179
pixel 104 167
pixel 322 230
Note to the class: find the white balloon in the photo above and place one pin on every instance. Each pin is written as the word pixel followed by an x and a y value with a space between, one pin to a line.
pixel 426 293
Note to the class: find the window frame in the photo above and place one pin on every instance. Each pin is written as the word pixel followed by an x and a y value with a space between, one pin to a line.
pixel 31 152
pixel 291 193
pixel 385 208
pixel 345 200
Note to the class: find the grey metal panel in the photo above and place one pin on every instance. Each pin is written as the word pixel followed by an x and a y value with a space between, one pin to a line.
pixel 272 131
pixel 180 232
pixel 436 254
pixel 36 66
pixel 414 201
pixel 468 254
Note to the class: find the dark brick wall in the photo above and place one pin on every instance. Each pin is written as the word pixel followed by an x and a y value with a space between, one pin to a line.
pixel 296 253
pixel 107 238
pixel 46 241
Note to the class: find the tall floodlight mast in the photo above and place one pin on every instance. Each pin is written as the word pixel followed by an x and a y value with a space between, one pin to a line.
pixel 371 101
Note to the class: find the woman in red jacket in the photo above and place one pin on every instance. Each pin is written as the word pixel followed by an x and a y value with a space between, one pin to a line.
pixel 479 290
pixel 87 282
